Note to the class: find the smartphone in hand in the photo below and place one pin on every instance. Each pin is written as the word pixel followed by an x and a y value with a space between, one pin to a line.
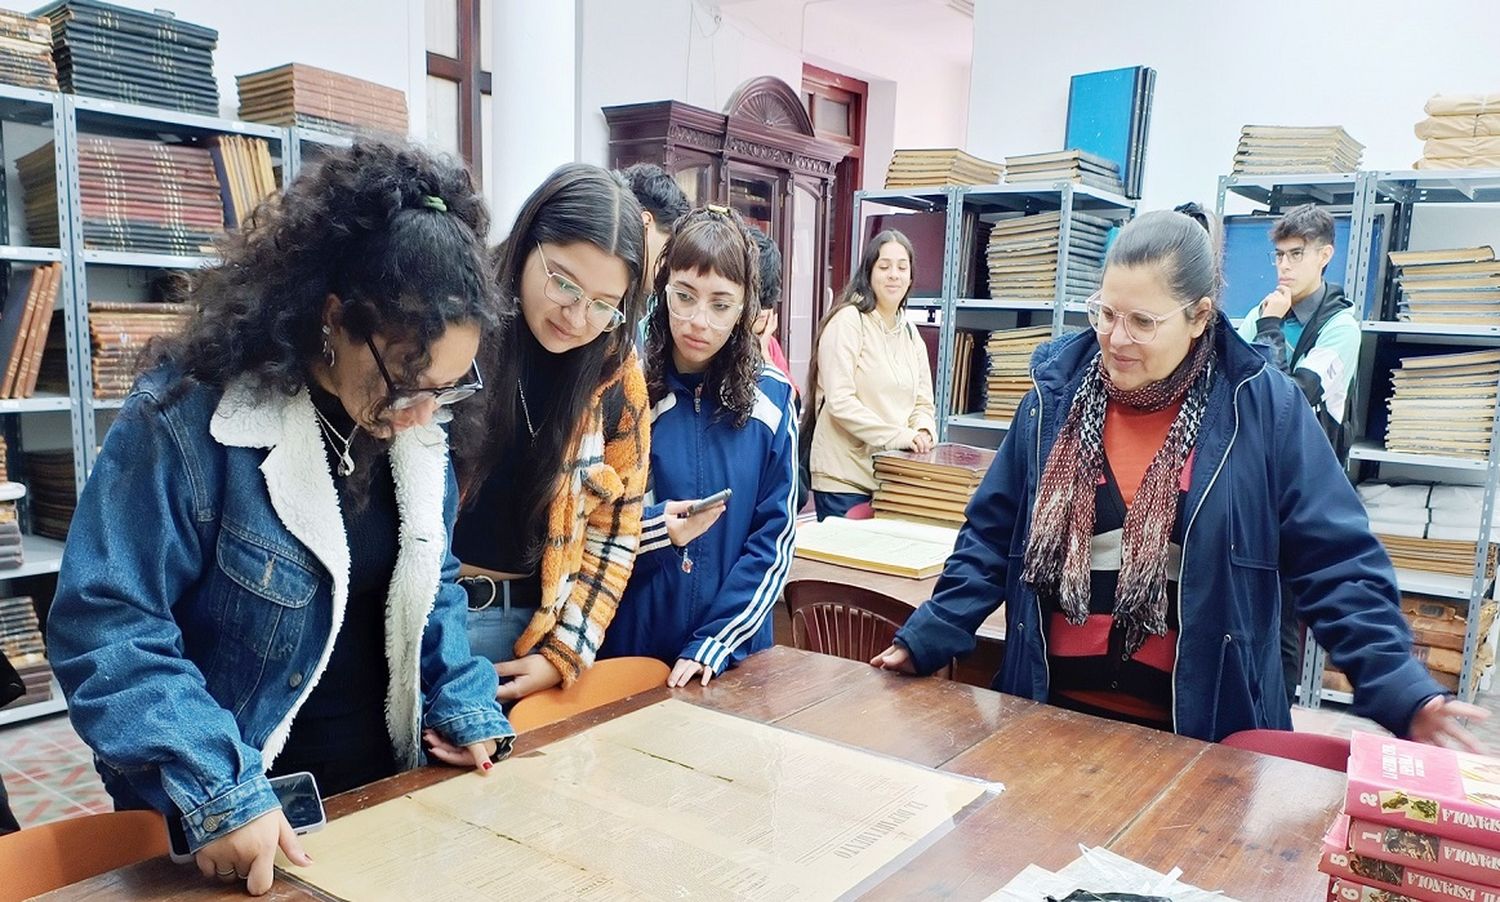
pixel 703 504
pixel 300 802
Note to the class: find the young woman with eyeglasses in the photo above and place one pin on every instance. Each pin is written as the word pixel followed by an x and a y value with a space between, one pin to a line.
pixel 258 578
pixel 722 418
pixel 1155 493
pixel 869 385
pixel 552 511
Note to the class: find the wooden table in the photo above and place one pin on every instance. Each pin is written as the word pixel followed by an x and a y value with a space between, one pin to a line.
pixel 977 669
pixel 1238 821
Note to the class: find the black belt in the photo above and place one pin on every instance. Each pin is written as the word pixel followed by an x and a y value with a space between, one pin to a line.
pixel 485 592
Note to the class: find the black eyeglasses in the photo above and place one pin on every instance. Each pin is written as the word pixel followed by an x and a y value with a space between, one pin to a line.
pixel 401 397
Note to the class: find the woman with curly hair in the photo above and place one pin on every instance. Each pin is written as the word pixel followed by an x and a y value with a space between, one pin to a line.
pixel 721 418
pixel 258 578
pixel 552 512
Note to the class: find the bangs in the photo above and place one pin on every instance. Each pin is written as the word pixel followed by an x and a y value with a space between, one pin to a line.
pixel 708 245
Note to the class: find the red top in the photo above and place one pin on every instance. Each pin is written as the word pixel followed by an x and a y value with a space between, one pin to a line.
pixel 1131 439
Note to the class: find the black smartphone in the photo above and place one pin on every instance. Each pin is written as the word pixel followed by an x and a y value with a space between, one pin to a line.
pixel 300 802
pixel 703 504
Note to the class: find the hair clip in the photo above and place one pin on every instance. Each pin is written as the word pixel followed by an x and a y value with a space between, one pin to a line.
pixel 432 201
pixel 718 209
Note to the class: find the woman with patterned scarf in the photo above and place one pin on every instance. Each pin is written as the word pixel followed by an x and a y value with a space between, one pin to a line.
pixel 1157 488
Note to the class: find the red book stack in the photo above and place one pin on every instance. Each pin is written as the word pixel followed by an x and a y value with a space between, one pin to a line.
pixel 1420 823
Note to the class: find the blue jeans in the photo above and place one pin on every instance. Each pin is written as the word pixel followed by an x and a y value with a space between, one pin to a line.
pixel 493 631
pixel 836 504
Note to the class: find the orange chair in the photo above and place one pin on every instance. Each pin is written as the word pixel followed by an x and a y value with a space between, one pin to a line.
pixel 844 621
pixel 1317 749
pixel 41 859
pixel 607 681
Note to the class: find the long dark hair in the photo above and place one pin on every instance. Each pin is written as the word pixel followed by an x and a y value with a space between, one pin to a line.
pixel 859 295
pixel 397 234
pixel 576 203
pixel 711 239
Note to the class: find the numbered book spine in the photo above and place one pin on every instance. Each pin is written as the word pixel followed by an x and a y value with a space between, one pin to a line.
pixel 1425 851
pixel 1425 788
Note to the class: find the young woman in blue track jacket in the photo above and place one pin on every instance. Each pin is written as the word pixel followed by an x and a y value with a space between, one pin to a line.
pixel 1155 493
pixel 704 584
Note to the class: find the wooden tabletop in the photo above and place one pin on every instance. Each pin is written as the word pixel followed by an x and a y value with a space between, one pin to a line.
pixel 1235 821
pixel 914 592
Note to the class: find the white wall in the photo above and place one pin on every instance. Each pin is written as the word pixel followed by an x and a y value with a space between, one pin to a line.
pixel 649 50
pixel 1368 65
pixel 378 40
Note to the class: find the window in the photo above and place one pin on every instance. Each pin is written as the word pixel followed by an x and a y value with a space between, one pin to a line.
pixel 458 79
pixel 836 105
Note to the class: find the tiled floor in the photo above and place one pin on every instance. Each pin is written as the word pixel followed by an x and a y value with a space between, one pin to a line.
pixel 49 775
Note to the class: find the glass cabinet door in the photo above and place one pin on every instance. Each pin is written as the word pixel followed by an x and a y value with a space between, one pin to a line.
pixel 755 193
pixel 695 174
pixel 800 304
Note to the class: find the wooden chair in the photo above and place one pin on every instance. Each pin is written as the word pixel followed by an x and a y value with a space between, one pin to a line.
pixel 1331 752
pixel 607 681
pixel 845 621
pixel 40 859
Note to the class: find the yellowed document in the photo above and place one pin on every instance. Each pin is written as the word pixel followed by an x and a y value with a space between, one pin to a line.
pixel 672 801
pixel 916 550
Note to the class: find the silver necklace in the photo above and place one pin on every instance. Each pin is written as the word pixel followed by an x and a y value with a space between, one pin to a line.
pixel 525 410
pixel 346 460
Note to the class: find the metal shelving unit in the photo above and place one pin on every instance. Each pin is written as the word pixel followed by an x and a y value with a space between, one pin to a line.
pixel 1402 191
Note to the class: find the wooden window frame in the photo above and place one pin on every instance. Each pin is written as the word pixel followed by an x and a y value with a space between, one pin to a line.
pixel 856 94
pixel 473 82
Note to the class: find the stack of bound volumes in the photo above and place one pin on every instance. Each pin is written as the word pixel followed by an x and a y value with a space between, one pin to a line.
pixel 51 491
pixel 133 56
pixel 968 370
pixel 11 555
pixel 136 195
pixel 1453 287
pixel 309 97
pixel 939 168
pixel 1437 627
pixel 1444 404
pixel 1076 166
pixel 21 643
pixel 1461 131
pixel 26 51
pixel 119 332
pixel 1283 150
pixel 929 488
pixel 1420 822
pixel 1009 376
pixel 1023 254
pixel 24 325
pixel 246 176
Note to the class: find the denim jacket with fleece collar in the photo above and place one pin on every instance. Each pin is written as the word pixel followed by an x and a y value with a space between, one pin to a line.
pixel 204 579
pixel 1268 502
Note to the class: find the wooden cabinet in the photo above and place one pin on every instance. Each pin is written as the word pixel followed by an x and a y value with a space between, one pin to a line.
pixel 759 157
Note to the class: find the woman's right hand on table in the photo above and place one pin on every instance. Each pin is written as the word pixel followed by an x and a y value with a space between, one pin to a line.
pixel 895 658
pixel 249 853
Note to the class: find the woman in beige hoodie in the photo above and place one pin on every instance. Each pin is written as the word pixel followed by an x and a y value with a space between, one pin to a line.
pixel 871 387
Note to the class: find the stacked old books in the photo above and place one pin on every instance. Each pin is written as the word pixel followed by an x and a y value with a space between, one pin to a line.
pixel 1461 131
pixel 929 488
pixel 1437 627
pixel 309 97
pixel 1009 376
pixel 246 176
pixel 1076 166
pixel 1453 287
pixel 1420 822
pixel 1282 150
pixel 939 168
pixel 134 56
pixel 26 51
pixel 21 643
pixel 11 555
pixel 51 492
pixel 969 366
pixel 24 325
pixel 1444 404
pixel 1023 255
pixel 119 331
pixel 136 195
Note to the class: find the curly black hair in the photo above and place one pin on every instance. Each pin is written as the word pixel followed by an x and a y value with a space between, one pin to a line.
pixel 711 239
pixel 770 269
pixel 362 226
pixel 657 193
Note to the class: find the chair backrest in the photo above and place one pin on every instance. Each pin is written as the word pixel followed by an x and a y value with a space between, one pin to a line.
pixel 40 859
pixel 607 681
pixel 1317 749
pixel 843 620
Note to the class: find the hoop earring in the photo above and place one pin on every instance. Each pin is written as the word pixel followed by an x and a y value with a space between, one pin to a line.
pixel 328 354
